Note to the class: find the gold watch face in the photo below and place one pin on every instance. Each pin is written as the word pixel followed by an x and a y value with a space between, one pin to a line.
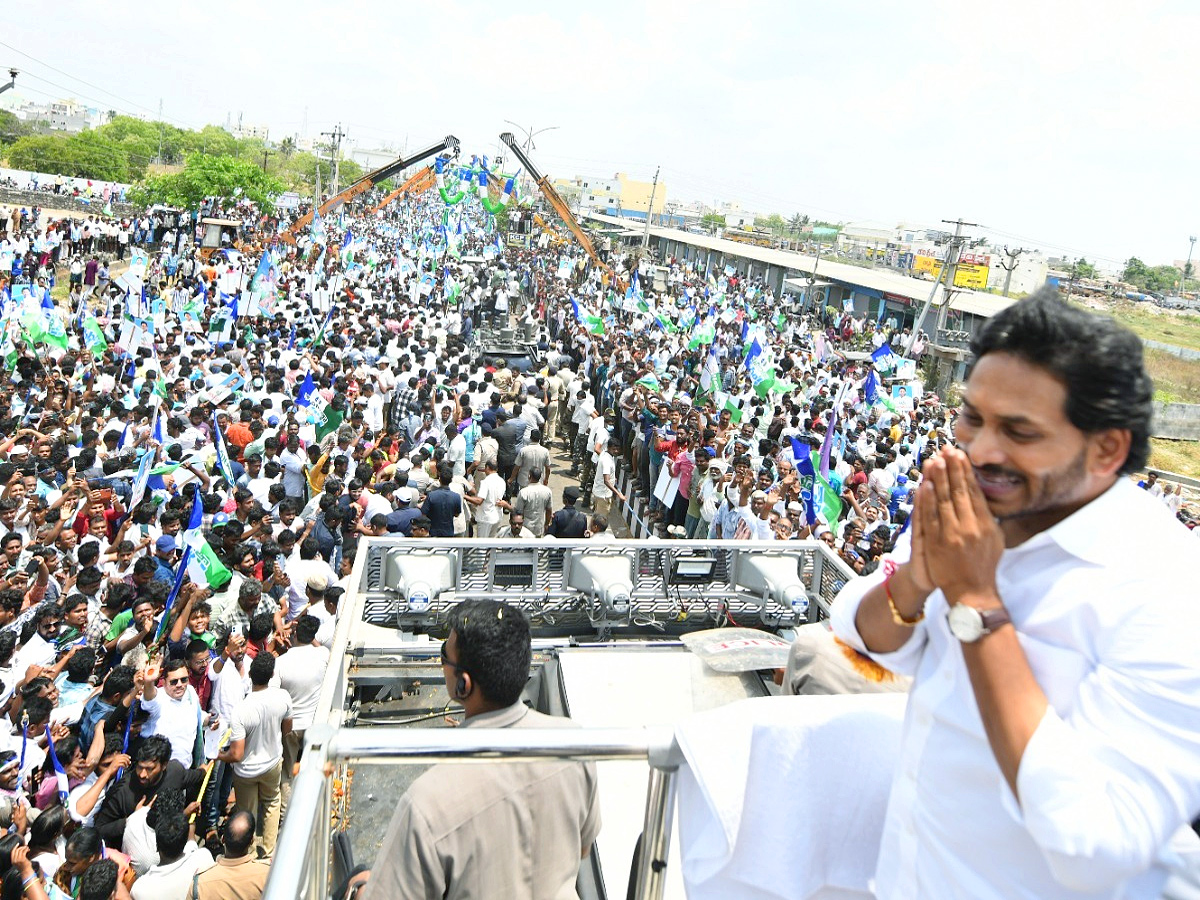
pixel 966 623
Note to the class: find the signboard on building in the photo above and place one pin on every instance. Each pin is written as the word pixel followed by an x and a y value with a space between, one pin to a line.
pixel 971 276
pixel 972 271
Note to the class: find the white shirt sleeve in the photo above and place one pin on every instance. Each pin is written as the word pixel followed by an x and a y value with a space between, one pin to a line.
pixel 903 661
pixel 1104 785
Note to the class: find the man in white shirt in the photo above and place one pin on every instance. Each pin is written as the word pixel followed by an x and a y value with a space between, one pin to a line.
pixel 300 672
pixel 179 861
pixel 488 501
pixel 256 748
pixel 1051 743
pixel 174 711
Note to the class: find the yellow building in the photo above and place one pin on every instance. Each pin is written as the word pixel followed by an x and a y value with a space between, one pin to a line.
pixel 635 195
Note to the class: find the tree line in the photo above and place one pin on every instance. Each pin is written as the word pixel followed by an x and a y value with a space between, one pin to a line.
pixel 124 148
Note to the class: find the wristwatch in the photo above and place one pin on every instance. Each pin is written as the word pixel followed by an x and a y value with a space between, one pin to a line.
pixel 969 624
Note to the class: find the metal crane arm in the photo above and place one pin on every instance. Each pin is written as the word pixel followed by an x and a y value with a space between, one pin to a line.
pixel 553 198
pixel 368 181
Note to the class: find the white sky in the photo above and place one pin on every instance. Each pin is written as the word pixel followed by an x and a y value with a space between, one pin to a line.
pixel 1068 125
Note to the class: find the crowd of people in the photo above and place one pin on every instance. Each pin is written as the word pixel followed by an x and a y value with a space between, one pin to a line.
pixel 196 445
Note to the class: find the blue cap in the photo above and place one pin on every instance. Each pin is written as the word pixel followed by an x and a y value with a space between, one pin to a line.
pixel 220 519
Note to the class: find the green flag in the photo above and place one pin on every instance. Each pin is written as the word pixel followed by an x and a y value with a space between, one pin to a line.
pixel 824 498
pixel 93 336
pixel 329 421
pixel 56 334
pixel 780 321
pixel 204 566
pixel 649 380
pixel 704 334
pixel 726 402
pixel 594 324
pixel 34 324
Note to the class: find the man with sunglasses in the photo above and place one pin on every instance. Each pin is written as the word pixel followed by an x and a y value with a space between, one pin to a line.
pixel 514 830
pixel 174 711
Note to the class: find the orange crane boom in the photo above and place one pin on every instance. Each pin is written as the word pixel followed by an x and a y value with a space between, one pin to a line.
pixel 422 181
pixel 368 181
pixel 557 202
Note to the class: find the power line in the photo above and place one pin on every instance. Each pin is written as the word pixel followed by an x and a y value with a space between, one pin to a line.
pixel 74 93
pixel 74 78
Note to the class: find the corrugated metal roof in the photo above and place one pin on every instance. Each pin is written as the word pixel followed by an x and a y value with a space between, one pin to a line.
pixel 915 289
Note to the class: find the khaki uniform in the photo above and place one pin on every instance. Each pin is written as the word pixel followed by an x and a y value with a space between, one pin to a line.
pixel 232 879
pixel 512 830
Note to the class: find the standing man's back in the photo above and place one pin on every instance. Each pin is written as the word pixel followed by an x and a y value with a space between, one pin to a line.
pixel 512 830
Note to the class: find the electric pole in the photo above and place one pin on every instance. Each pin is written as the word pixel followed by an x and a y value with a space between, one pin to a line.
pixel 336 148
pixel 650 209
pixel 1187 267
pixel 1012 264
pixel 956 244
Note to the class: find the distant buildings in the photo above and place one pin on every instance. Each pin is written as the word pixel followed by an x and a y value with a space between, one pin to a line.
pixel 68 116
pixel 621 195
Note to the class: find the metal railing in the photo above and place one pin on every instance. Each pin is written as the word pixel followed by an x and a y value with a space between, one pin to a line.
pixel 302 863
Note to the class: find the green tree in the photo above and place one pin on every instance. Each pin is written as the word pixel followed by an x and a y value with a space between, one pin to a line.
pixel 11 128
pixel 773 223
pixel 211 140
pixel 796 223
pixel 209 176
pixel 143 140
pixel 287 146
pixel 83 155
pixel 1135 271
pixel 712 221
pixel 1084 269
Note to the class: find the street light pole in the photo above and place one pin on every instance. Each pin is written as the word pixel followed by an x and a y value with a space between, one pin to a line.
pixel 12 81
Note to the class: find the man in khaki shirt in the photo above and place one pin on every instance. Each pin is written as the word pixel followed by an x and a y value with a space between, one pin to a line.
pixel 512 830
pixel 238 874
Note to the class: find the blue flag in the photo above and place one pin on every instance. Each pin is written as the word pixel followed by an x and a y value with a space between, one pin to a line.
pixel 871 389
pixel 60 775
pixel 304 395
pixel 753 353
pixel 884 358
pixel 292 340
pixel 179 576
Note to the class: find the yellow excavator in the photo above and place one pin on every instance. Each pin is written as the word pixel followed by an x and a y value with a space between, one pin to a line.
pixel 558 204
pixel 449 144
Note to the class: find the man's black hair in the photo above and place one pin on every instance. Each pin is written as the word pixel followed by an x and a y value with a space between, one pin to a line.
pixel 119 681
pixel 262 669
pixel 306 628
pixel 155 748
pixel 171 833
pixel 99 880
pixel 493 646
pixel 81 665
pixel 1098 361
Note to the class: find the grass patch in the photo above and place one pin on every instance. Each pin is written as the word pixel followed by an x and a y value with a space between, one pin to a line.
pixel 1175 380
pixel 1181 329
pixel 1181 457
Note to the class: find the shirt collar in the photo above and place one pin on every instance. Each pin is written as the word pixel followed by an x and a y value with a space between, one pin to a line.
pixel 1088 533
pixel 499 718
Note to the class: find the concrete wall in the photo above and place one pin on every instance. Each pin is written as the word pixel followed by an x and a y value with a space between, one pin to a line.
pixel 27 199
pixel 1181 352
pixel 1176 421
